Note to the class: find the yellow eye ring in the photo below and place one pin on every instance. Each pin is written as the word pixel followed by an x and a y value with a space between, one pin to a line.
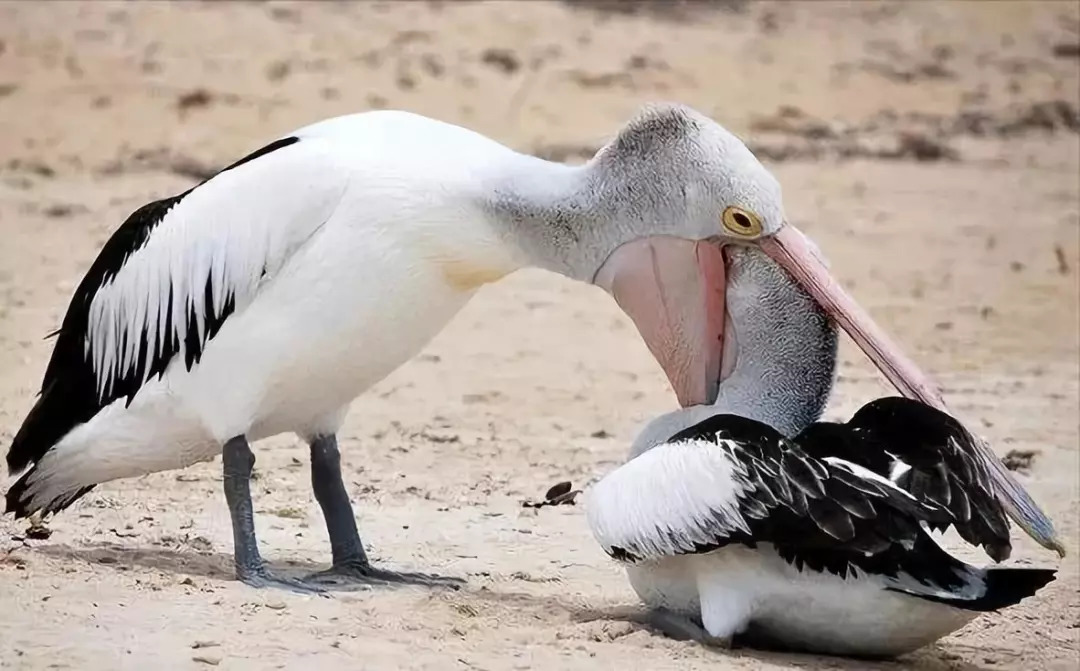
pixel 741 223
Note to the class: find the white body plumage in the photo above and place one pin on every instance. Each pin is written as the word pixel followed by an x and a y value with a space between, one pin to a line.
pixel 336 252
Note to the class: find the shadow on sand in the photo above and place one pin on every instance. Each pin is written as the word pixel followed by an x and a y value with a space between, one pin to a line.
pixel 219 566
pixel 181 561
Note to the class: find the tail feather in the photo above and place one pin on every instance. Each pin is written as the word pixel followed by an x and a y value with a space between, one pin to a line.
pixel 39 433
pixel 151 435
pixel 19 502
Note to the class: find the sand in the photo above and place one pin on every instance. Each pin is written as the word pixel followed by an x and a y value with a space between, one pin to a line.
pixel 930 148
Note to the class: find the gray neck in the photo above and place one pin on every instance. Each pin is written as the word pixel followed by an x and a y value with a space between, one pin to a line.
pixel 568 219
pixel 786 347
pixel 545 209
pixel 786 354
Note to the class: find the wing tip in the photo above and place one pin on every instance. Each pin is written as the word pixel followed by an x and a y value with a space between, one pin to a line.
pixel 1008 586
pixel 55 412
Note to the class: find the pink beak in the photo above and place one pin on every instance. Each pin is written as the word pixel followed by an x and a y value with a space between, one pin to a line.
pixel 674 291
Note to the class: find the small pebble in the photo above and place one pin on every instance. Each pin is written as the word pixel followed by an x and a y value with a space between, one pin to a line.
pixel 38 532
pixel 558 490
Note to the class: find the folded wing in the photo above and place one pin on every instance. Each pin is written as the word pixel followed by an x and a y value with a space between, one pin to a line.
pixel 733 480
pixel 170 277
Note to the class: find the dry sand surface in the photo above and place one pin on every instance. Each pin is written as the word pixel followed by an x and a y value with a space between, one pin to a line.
pixel 931 148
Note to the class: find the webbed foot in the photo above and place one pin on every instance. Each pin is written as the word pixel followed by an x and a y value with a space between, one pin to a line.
pixel 358 574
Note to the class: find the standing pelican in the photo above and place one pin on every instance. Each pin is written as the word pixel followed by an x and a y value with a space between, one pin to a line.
pixel 267 298
pixel 744 517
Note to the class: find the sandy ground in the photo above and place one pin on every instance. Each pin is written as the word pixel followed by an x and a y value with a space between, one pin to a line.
pixel 930 148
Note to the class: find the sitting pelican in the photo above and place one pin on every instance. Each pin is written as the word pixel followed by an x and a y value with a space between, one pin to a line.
pixel 267 298
pixel 744 518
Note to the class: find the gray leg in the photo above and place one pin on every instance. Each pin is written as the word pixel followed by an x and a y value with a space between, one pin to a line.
pixel 329 487
pixel 351 565
pixel 682 628
pixel 237 462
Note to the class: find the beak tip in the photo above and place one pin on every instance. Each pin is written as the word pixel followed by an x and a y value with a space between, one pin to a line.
pixel 1057 546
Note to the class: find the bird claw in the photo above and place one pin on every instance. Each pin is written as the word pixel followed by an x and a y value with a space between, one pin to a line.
pixel 360 574
pixel 260 578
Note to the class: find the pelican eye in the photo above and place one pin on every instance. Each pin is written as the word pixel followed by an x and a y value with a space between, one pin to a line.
pixel 742 223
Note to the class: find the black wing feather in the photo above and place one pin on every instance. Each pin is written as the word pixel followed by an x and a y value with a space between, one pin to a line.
pixel 69 394
pixel 945 468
